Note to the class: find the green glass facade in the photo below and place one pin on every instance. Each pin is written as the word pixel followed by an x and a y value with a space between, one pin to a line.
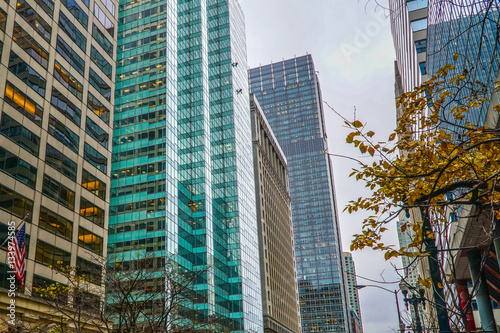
pixel 182 169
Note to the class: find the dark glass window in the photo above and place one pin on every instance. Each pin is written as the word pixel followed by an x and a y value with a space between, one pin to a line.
pixel 33 19
pixel 77 12
pixel 103 18
pixel 51 256
pixel 421 45
pixel 17 168
pixel 89 240
pixel 95 158
pixel 97 133
pixel 59 131
pixel 6 272
pixel 423 68
pixel 98 83
pixel 61 162
pixel 27 74
pixel 22 103
pixel 74 59
pixel 47 5
pixel 42 283
pixel 91 212
pixel 90 271
pixel 94 185
pixel 72 31
pixel 15 203
pixel 30 45
pixel 55 223
pixel 101 62
pixel 3 19
pixel 1 49
pixel 102 40
pixel 66 79
pixel 58 192
pixel 97 107
pixel 19 134
pixel 65 106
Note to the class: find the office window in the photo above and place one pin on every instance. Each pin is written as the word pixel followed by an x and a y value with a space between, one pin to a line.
pixel 22 103
pixel 69 81
pixel 33 19
pixel 97 133
pixel 77 12
pixel 27 74
pixel 61 162
pixel 41 283
pixel 102 40
pixel 99 84
pixel 90 271
pixel 15 203
pixel 72 31
pixel 423 68
pixel 65 106
pixel 105 21
pixel 89 240
pixel 97 107
pixel 74 59
pixel 110 6
pixel 66 136
pixel 94 185
pixel 55 223
pixel 419 24
pixel 49 255
pixel 3 19
pixel 19 134
pixel 91 212
pixel 416 4
pixel 101 62
pixel 30 45
pixel 421 45
pixel 58 192
pixel 17 168
pixel 47 5
pixel 95 158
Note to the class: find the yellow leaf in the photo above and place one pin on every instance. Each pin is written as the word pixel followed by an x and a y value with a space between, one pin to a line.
pixel 370 134
pixel 371 150
pixel 392 137
pixel 455 56
pixel 357 124
pixel 350 137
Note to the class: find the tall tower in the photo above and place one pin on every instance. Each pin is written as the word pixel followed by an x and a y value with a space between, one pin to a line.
pixel 183 173
pixel 57 67
pixel 352 289
pixel 274 217
pixel 290 96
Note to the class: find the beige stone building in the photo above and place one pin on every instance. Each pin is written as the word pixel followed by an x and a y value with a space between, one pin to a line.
pixel 57 72
pixel 276 246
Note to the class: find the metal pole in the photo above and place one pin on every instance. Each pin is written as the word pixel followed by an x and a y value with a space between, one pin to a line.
pixel 418 325
pixel 401 324
pixel 434 271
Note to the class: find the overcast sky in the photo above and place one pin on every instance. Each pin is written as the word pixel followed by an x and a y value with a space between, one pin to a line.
pixel 352 49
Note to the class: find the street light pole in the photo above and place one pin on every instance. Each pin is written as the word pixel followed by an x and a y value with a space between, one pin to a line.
pixel 395 292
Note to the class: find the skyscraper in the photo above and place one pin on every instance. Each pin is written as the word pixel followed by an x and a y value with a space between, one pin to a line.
pixel 352 289
pixel 274 218
pixel 290 96
pixel 56 83
pixel 183 184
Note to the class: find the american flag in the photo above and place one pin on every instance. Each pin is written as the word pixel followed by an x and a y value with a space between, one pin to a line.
pixel 20 254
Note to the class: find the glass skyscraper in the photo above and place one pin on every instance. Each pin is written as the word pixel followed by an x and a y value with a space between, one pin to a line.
pixel 290 96
pixel 182 169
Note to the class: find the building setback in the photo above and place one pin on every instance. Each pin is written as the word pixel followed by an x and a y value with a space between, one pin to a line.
pixel 57 68
pixel 290 96
pixel 183 182
pixel 276 249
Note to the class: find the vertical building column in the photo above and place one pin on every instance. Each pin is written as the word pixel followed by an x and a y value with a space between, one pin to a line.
pixel 482 295
pixel 463 291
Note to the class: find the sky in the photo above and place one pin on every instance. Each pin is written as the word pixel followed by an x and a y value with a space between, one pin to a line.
pixel 351 45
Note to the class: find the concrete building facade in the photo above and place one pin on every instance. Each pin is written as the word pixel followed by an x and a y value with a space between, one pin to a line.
pixel 57 69
pixel 276 250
